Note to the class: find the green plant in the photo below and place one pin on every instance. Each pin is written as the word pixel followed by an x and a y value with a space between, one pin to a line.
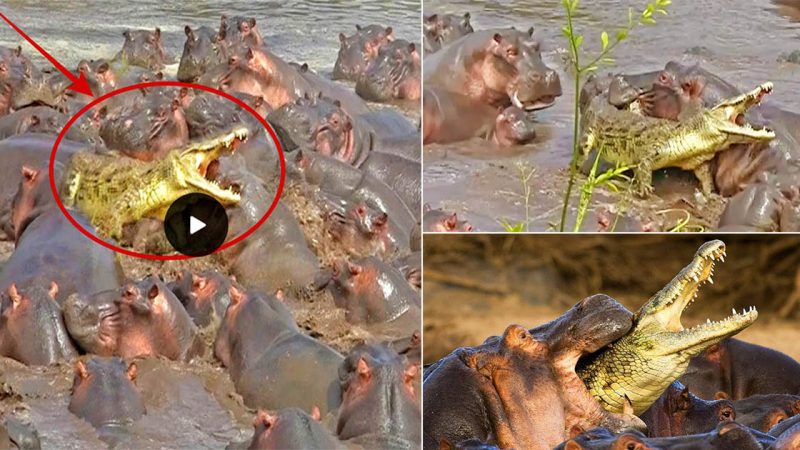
pixel 611 178
pixel 607 46
pixel 525 172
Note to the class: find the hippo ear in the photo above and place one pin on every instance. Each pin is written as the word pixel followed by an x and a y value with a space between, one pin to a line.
pixel 158 33
pixel 258 102
pixel 389 32
pixel 29 174
pixel 362 368
pixel 304 68
pixel 199 281
pixel 530 31
pixel 575 430
pixel 720 396
pixel 427 207
pixel 412 47
pixel 315 413
pixel 336 102
pixel 444 444
pixel 432 18
pixel 684 401
pixel 342 38
pixel 132 371
pixel 730 426
pixel 358 27
pixel 572 445
pixel 80 370
pixel 34 120
pixel 18 51
pixel 410 373
pixel 153 292
pixel 498 38
pixel 265 418
pixel 235 294
pixel 250 53
pixel 354 269
pixel 53 291
pixel 188 31
pixel 13 293
pixel 103 67
pixel 467 16
pixel 252 22
pixel 451 222
pixel 127 34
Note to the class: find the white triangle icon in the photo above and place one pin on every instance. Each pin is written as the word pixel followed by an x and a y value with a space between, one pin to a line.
pixel 195 225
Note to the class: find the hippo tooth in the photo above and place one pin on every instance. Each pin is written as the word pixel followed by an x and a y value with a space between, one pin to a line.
pixel 708 320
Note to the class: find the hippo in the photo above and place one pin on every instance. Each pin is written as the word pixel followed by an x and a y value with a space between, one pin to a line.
pixel 143 48
pixel 239 30
pixel 291 428
pixel 788 440
pixel 364 231
pixel 726 435
pixel 276 255
pixel 204 295
pixel 356 51
pixel 258 72
pixel 678 412
pixel 380 403
pixel 372 291
pixel 757 208
pixel 490 389
pixel 440 30
pixel 15 433
pixel 400 173
pixel 201 52
pixel 33 330
pixel 34 119
pixel 508 65
pixel 341 180
pixel 138 319
pixel 104 392
pixel 349 101
pixel 763 412
pixel 730 367
pixel 440 221
pixel 256 334
pixel 51 249
pixel 393 74
pixel 452 117
pixel 99 75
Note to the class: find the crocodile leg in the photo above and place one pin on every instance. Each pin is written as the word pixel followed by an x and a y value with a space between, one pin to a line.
pixel 703 174
pixel 643 178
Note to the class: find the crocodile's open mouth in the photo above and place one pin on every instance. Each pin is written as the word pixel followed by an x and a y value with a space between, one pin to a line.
pixel 666 307
pixel 203 159
pixel 734 110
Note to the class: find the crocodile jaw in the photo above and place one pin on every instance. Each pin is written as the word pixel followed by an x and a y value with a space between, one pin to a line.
pixel 191 164
pixel 660 317
pixel 729 110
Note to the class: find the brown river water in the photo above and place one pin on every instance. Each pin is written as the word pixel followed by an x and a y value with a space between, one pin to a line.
pixel 739 40
pixel 195 404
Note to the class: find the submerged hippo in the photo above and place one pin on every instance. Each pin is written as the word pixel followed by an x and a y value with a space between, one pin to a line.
pixel 497 68
pixel 440 30
pixel 256 335
pixel 291 428
pixel 32 329
pixel 380 400
pixel 364 231
pixel 356 51
pixel 393 74
pixel 143 48
pixel 104 393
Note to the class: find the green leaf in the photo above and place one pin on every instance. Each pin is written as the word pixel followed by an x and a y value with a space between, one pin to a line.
pixel 589 69
pixel 578 41
pixel 607 60
pixel 622 35
pixel 604 40
pixel 648 21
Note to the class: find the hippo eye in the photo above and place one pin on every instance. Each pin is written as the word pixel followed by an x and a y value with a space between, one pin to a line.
pixel 726 414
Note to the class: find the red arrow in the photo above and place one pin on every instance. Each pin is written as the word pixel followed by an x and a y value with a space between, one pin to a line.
pixel 79 84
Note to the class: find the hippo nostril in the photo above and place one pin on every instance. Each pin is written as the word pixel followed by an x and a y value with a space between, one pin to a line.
pixel 536 77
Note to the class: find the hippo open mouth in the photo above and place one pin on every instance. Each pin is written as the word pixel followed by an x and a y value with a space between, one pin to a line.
pixel 542 102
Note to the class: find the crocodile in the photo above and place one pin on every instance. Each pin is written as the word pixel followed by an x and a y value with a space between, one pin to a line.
pixel 646 144
pixel 114 190
pixel 641 364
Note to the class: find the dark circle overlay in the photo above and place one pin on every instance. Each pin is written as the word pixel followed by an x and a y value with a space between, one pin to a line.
pixel 151 84
pixel 207 209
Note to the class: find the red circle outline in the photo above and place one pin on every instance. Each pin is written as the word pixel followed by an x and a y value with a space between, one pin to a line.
pixel 133 87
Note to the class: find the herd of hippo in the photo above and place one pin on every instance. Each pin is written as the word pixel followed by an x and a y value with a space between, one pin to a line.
pixel 602 377
pixel 486 83
pixel 346 234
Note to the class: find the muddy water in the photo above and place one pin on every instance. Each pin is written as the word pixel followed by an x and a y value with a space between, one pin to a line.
pixel 740 40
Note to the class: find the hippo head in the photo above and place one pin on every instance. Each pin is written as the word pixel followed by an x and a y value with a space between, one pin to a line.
pixel 442 29
pixel 31 327
pixel 290 428
pixel 378 393
pixel 204 295
pixel 104 393
pixel 393 74
pixel 440 221
pixel 513 126
pixel 94 321
pixel 168 129
pixel 99 75
pixel 201 52
pixel 237 30
pixel 143 48
pixel 356 51
pixel 678 412
pixel 253 72
pixel 590 325
pixel 362 230
pixel 515 69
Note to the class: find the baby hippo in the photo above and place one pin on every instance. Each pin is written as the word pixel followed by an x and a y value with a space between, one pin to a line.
pixel 104 393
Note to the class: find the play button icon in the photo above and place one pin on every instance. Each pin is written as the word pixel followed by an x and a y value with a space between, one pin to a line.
pixel 196 224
